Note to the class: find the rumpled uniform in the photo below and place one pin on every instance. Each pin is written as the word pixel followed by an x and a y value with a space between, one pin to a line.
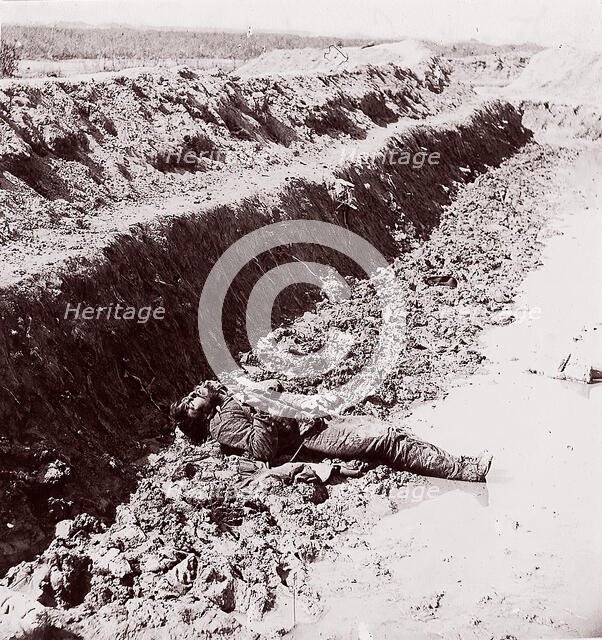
pixel 240 428
pixel 293 473
pixel 369 438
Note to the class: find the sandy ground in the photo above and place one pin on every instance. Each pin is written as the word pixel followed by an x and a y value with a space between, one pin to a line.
pixel 407 54
pixel 562 75
pixel 519 557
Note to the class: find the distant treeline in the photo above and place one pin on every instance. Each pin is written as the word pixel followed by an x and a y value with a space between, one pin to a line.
pixel 64 43
pixel 68 42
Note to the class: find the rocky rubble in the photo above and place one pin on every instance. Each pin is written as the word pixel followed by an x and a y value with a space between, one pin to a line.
pixel 190 555
pixel 189 549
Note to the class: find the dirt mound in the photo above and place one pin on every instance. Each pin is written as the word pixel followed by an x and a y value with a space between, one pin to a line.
pixel 69 149
pixel 490 70
pixel 563 75
pixel 559 121
pixel 407 54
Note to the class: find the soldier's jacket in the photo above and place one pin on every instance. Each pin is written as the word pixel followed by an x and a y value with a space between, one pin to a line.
pixel 239 427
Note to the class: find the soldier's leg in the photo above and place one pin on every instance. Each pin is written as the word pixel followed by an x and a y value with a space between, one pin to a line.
pixel 368 438
pixel 410 454
pixel 336 441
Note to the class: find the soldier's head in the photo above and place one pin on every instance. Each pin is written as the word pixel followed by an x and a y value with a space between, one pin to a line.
pixel 194 411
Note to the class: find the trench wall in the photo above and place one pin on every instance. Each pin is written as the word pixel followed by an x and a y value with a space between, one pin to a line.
pixel 80 399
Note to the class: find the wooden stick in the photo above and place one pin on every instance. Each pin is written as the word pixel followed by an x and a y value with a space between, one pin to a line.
pixel 294 599
pixel 297 452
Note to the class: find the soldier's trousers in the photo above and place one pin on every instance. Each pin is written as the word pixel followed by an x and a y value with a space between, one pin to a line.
pixel 371 439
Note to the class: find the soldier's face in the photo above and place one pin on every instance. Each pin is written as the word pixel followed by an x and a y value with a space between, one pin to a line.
pixel 198 405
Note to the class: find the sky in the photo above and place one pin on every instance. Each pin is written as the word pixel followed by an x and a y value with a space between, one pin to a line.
pixel 547 22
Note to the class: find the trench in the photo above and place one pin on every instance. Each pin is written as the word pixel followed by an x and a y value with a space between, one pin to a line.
pixel 91 397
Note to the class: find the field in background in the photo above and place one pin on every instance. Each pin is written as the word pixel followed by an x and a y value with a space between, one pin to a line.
pixel 65 43
pixel 69 50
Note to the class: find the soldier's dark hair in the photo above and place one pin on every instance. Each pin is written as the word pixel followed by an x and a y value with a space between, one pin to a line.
pixel 197 429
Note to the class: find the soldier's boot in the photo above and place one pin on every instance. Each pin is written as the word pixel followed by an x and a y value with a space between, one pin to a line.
pixel 475 469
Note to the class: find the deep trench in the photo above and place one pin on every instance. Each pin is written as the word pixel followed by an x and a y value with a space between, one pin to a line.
pixel 91 393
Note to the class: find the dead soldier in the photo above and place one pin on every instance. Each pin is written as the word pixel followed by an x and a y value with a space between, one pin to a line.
pixel 210 410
